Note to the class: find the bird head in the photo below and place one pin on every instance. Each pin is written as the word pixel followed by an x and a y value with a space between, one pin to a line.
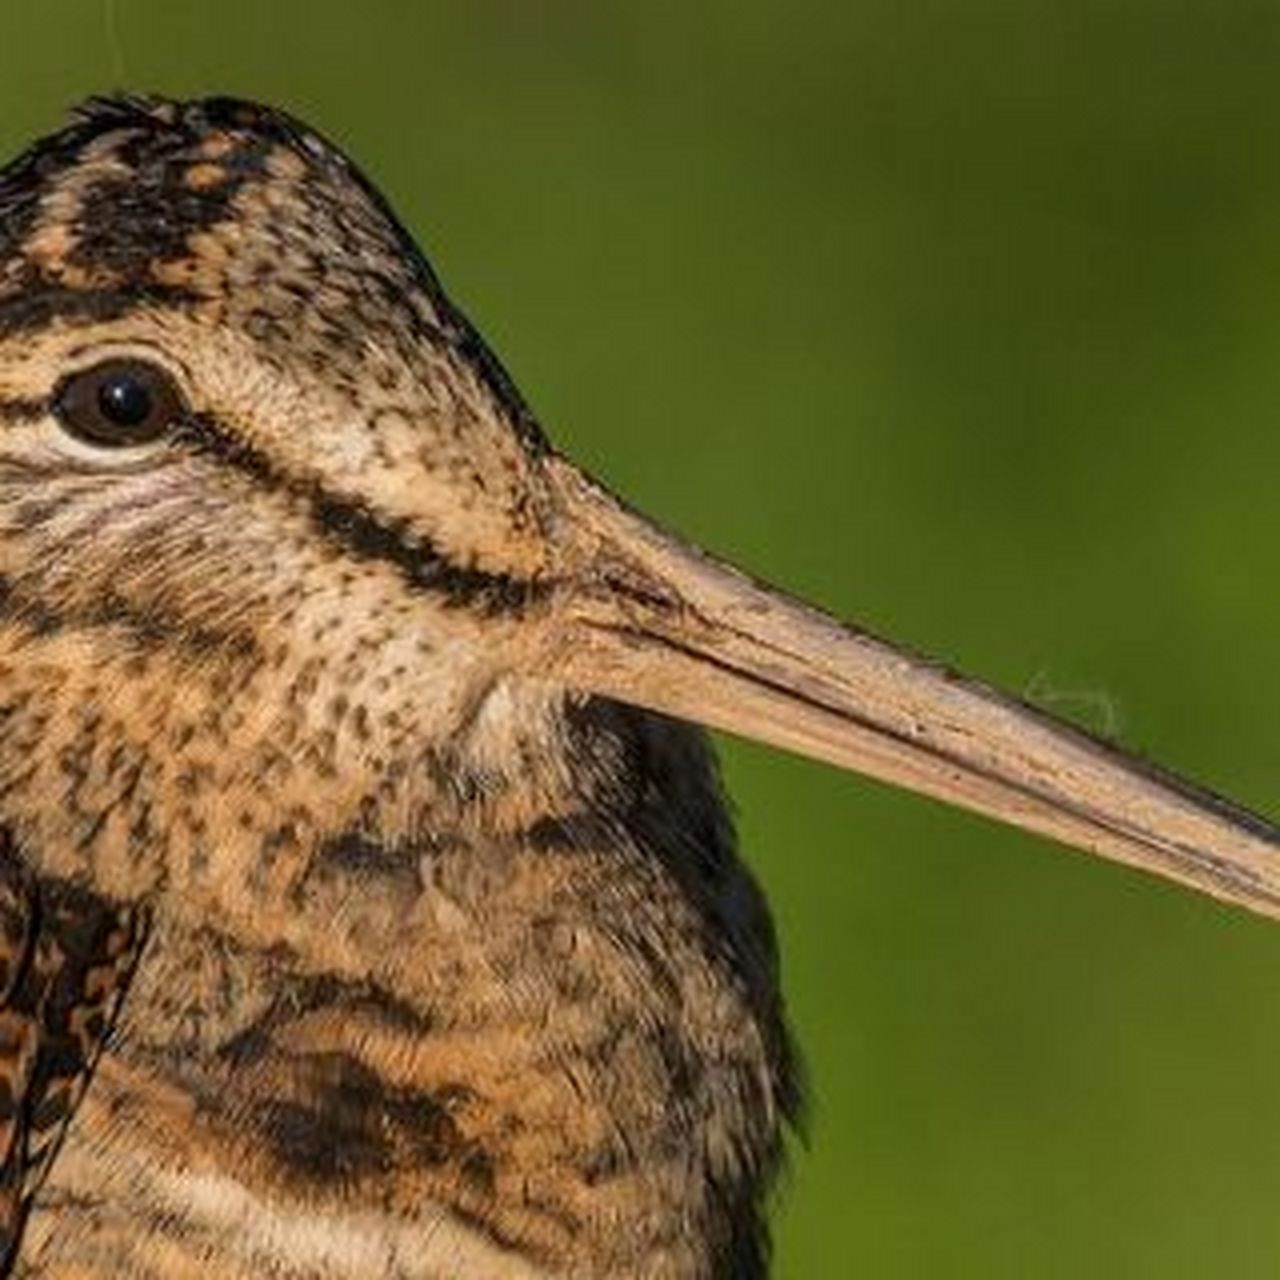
pixel 263 491
pixel 268 504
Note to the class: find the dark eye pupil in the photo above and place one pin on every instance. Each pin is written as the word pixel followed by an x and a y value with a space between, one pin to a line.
pixel 119 402
pixel 124 400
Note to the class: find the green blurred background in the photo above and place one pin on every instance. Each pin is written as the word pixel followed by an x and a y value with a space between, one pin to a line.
pixel 959 317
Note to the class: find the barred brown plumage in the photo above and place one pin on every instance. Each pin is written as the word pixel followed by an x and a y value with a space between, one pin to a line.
pixel 68 960
pixel 363 912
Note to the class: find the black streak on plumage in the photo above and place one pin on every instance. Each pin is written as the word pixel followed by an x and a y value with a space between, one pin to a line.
pixel 362 533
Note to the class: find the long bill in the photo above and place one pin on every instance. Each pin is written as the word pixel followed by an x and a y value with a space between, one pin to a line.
pixel 657 623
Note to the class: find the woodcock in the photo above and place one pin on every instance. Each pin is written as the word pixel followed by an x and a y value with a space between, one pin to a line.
pixel 367 908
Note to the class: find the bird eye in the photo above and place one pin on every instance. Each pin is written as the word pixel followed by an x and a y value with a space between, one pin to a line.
pixel 119 402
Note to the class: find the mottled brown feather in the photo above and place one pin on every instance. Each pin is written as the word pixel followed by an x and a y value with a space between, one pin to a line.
pixel 449 970
pixel 67 960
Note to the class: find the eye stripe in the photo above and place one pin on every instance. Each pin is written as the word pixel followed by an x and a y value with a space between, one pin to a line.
pixel 364 533
pixel 35 306
pixel 23 410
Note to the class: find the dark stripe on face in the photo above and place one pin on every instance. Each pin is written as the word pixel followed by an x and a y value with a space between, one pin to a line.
pixel 359 532
pixel 19 411
pixel 37 307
